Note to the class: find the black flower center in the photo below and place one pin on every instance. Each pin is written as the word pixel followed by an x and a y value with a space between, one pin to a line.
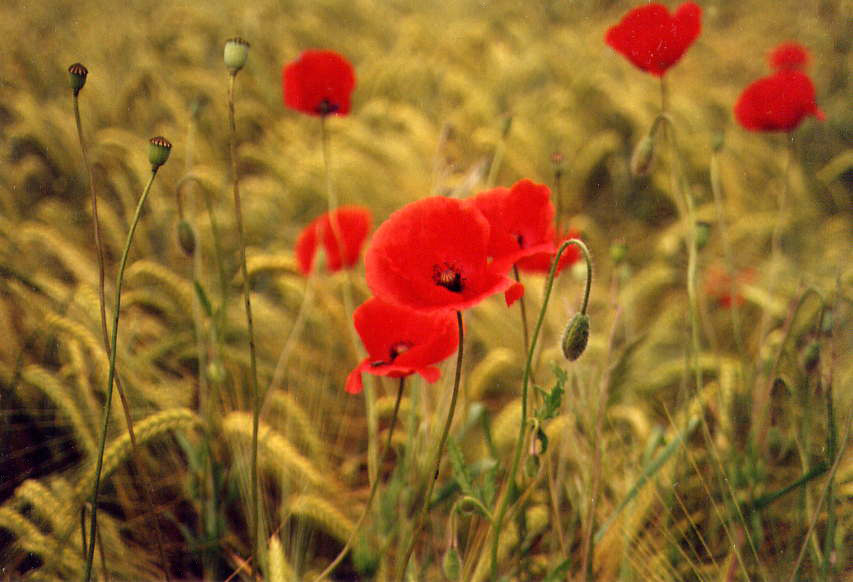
pixel 394 351
pixel 449 277
pixel 520 239
pixel 326 107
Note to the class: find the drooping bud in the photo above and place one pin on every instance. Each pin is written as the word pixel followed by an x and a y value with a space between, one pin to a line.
pixel 643 157
pixel 451 564
pixel 159 149
pixel 811 358
pixel 236 53
pixel 576 336
pixel 186 238
pixel 703 234
pixel 77 77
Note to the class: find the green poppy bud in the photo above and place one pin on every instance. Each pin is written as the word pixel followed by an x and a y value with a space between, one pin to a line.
pixel 186 238
pixel 811 358
pixel 703 233
pixel 159 149
pixel 77 77
pixel 451 563
pixel 576 336
pixel 643 157
pixel 236 53
pixel 618 252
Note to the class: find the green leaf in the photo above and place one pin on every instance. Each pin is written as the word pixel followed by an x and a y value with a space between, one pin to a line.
pixel 202 298
pixel 559 573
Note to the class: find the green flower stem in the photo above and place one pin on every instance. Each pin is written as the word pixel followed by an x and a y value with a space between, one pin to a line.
pixel 369 392
pixel 111 374
pixel 256 399
pixel 500 514
pixel 523 308
pixel 438 452
pixel 99 252
pixel 373 489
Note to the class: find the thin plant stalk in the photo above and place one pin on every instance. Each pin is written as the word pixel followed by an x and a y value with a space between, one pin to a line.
pixel 525 386
pixel 256 398
pixel 694 346
pixel 523 309
pixel 99 253
pixel 111 374
pixel 373 489
pixel 419 522
pixel 369 392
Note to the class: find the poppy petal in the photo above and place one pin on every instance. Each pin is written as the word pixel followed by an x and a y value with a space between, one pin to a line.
pixel 431 374
pixel 354 384
pixel 513 294
pixel 319 83
pixel 778 102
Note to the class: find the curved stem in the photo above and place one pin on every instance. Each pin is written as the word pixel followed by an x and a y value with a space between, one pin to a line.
pixel 111 375
pixel 256 400
pixel 102 306
pixel 438 451
pixel 373 489
pixel 516 458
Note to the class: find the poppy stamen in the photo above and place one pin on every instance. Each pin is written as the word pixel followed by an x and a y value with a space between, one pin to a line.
pixel 448 277
pixel 325 107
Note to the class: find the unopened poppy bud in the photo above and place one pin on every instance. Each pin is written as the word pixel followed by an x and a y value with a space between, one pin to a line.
pixel 236 53
pixel 618 252
pixel 451 563
pixel 812 357
pixel 77 77
pixel 718 142
pixel 643 157
pixel 507 125
pixel 186 238
pixel 159 149
pixel 703 233
pixel 576 336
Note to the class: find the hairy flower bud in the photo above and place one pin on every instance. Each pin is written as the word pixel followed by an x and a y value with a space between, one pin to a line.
pixel 186 238
pixel 643 157
pixel 576 336
pixel 159 149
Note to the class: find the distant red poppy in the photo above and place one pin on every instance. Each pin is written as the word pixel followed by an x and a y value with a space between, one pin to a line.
pixel 789 55
pixel 778 102
pixel 652 39
pixel 353 223
pixel 319 83
pixel 541 262
pixel 400 341
pixel 723 288
pixel 432 255
pixel 521 220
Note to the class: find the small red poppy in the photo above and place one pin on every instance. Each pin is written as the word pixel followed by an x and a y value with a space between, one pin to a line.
pixel 652 39
pixel 521 220
pixel 353 224
pixel 432 255
pixel 319 83
pixel 541 262
pixel 723 288
pixel 400 341
pixel 778 102
pixel 789 55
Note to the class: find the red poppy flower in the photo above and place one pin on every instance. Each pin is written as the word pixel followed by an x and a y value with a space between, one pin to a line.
pixel 541 262
pixel 789 55
pixel 432 255
pixel 353 224
pixel 319 83
pixel 652 39
pixel 521 220
pixel 723 288
pixel 400 341
pixel 778 102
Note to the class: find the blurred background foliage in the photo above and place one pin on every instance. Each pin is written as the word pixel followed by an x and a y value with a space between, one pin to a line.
pixel 441 86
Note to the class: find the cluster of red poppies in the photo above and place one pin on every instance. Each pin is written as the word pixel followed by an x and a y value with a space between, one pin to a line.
pixel 653 40
pixel 437 256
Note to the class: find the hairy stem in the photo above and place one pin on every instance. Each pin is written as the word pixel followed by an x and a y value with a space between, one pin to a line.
pixel 438 452
pixel 256 398
pixel 111 375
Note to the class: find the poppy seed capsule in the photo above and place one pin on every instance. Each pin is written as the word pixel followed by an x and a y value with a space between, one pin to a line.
pixel 236 53
pixel 576 336
pixel 159 149
pixel 77 77
pixel 643 157
pixel 186 238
